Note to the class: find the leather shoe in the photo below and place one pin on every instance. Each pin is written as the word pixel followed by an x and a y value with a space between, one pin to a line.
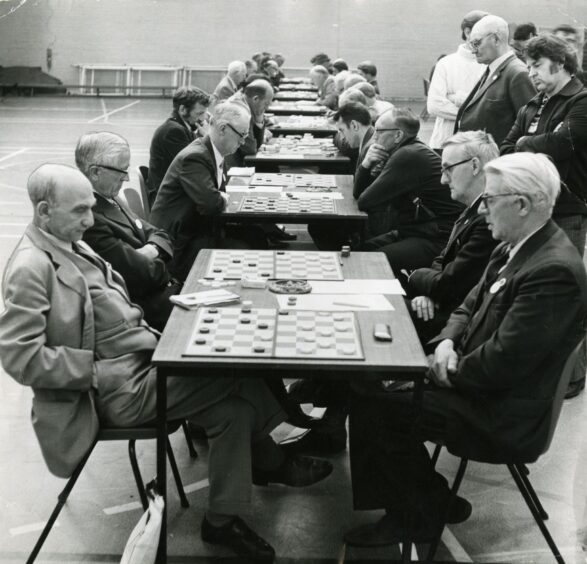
pixel 240 538
pixel 282 235
pixel 325 440
pixel 295 471
pixel 575 388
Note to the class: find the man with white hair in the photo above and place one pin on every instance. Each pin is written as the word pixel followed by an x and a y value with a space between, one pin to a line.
pixel 502 90
pixel 230 83
pixel 193 192
pixel 495 368
pixel 327 95
pixel 376 107
pixel 353 79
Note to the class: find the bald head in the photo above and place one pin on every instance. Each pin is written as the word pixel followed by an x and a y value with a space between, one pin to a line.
pixel 51 183
pixel 489 39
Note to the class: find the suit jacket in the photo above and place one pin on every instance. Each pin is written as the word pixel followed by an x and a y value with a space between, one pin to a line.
pixel 493 106
pixel 460 265
pixel 169 139
pixel 48 342
pixel 513 342
pixel 561 134
pixel 327 95
pixel 224 89
pixel 188 199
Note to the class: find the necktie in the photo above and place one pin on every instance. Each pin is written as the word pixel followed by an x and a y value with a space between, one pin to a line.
pixel 483 79
pixel 536 119
pixel 495 265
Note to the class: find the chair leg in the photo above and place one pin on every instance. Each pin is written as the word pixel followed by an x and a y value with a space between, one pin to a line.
pixel 516 475
pixel 182 498
pixel 523 472
pixel 192 450
pixel 452 496
pixel 61 499
pixel 137 474
pixel 435 455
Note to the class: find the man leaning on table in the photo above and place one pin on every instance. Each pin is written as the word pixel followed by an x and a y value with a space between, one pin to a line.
pixel 495 368
pixel 70 331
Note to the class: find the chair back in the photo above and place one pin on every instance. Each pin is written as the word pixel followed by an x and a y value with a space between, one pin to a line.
pixel 143 174
pixel 426 83
pixel 561 389
pixel 133 199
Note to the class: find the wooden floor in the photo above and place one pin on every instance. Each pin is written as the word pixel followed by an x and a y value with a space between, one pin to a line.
pixel 305 526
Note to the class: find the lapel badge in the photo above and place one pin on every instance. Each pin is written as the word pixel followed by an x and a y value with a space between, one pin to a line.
pixel 497 286
pixel 139 223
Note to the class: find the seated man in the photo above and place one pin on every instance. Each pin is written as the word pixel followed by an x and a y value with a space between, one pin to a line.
pixel 231 82
pixel 376 107
pixel 192 193
pixel 353 79
pixel 368 70
pixel 70 331
pixel 496 366
pixel 188 118
pixel 339 65
pixel 327 95
pixel 440 288
pixel 398 184
pixel 135 248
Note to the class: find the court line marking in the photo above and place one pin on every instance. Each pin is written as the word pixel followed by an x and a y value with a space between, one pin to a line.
pixel 30 528
pixel 19 152
pixel 104 110
pixel 2 185
pixel 454 546
pixel 104 116
pixel 196 486
pixel 18 163
pixel 10 236
pixel 14 224
pixel 565 551
pixel 114 510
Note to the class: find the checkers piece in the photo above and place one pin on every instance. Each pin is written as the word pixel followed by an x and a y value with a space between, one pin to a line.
pixel 291 204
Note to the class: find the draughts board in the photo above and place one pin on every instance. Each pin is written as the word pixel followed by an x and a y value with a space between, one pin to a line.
pixel 269 265
pixel 267 333
pixel 297 180
pixel 288 204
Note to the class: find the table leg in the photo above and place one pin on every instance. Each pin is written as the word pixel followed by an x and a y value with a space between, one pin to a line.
pixel 162 459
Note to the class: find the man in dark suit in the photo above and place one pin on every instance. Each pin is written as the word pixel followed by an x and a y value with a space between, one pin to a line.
pixel 437 290
pixel 495 369
pixel 230 83
pixel 135 248
pixel 398 184
pixel 193 193
pixel 187 120
pixel 555 123
pixel 503 89
pixel 327 95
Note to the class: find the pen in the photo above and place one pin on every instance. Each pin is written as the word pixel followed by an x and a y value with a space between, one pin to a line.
pixel 350 305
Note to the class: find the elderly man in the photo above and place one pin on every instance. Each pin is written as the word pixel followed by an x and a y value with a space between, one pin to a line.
pixel 353 79
pixel 135 248
pixel 189 117
pixel 411 214
pixel 454 77
pixel 327 95
pixel 437 290
pixel 376 107
pixel 503 89
pixel 369 72
pixel 495 369
pixel 70 331
pixel 555 123
pixel 230 83
pixel 193 192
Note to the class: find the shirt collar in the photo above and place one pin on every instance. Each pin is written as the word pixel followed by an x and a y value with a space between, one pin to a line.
pixel 217 155
pixel 494 64
pixel 63 245
pixel 519 244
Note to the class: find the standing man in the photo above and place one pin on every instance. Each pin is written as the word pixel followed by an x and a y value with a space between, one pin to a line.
pixel 555 123
pixel 503 89
pixel 230 83
pixel 436 291
pixel 327 95
pixel 135 248
pixel 193 192
pixel 188 118
pixel 524 32
pixel 453 79
pixel 496 367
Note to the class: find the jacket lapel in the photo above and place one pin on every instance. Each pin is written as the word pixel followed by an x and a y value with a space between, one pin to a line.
pixel 214 166
pixel 117 215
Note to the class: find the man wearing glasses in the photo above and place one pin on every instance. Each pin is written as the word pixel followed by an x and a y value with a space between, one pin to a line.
pixel 495 369
pixel 503 89
pixel 135 248
pixel 193 193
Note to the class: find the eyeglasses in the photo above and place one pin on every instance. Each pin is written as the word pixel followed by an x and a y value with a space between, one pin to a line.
pixel 388 129
pixel 112 168
pixel 242 136
pixel 446 168
pixel 477 42
pixel 486 198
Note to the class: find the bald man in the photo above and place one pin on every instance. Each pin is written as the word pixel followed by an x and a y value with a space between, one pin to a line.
pixel 230 83
pixel 503 89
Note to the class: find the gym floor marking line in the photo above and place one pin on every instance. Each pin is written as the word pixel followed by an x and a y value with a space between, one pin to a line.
pixel 19 152
pixel 114 510
pixel 104 116
pixel 33 527
pixel 104 110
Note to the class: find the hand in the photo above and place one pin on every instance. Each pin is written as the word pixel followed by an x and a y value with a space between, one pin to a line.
pixel 225 198
pixel 268 136
pixel 149 250
pixel 375 154
pixel 203 128
pixel 444 363
pixel 424 307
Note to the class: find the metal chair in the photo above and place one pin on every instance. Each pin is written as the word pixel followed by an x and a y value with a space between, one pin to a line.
pixel 131 434
pixel 143 173
pixel 424 115
pixel 518 470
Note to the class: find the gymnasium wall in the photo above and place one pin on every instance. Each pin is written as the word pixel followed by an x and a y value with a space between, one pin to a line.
pixel 403 37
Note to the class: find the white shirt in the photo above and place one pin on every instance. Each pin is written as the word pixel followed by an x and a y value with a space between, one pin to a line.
pixel 494 64
pixel 454 77
pixel 219 164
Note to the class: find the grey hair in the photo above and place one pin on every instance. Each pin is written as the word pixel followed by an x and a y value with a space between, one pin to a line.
pixel 531 174
pixel 353 79
pixel 230 112
pixel 319 69
pixel 98 147
pixel 478 144
pixel 42 183
pixel 493 24
pixel 235 67
pixel 352 95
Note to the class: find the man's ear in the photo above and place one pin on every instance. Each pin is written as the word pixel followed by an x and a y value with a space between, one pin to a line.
pixel 42 208
pixel 477 168
pixel 182 110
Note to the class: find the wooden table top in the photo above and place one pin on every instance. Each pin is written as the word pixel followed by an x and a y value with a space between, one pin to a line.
pixel 301 80
pixel 306 151
pixel 295 95
pixel 382 359
pixel 299 125
pixel 346 208
pixel 295 108
pixel 299 86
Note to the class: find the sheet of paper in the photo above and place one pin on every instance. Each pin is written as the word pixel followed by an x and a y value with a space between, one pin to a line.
pixel 357 287
pixel 337 302
pixel 316 195
pixel 253 189
pixel 241 171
